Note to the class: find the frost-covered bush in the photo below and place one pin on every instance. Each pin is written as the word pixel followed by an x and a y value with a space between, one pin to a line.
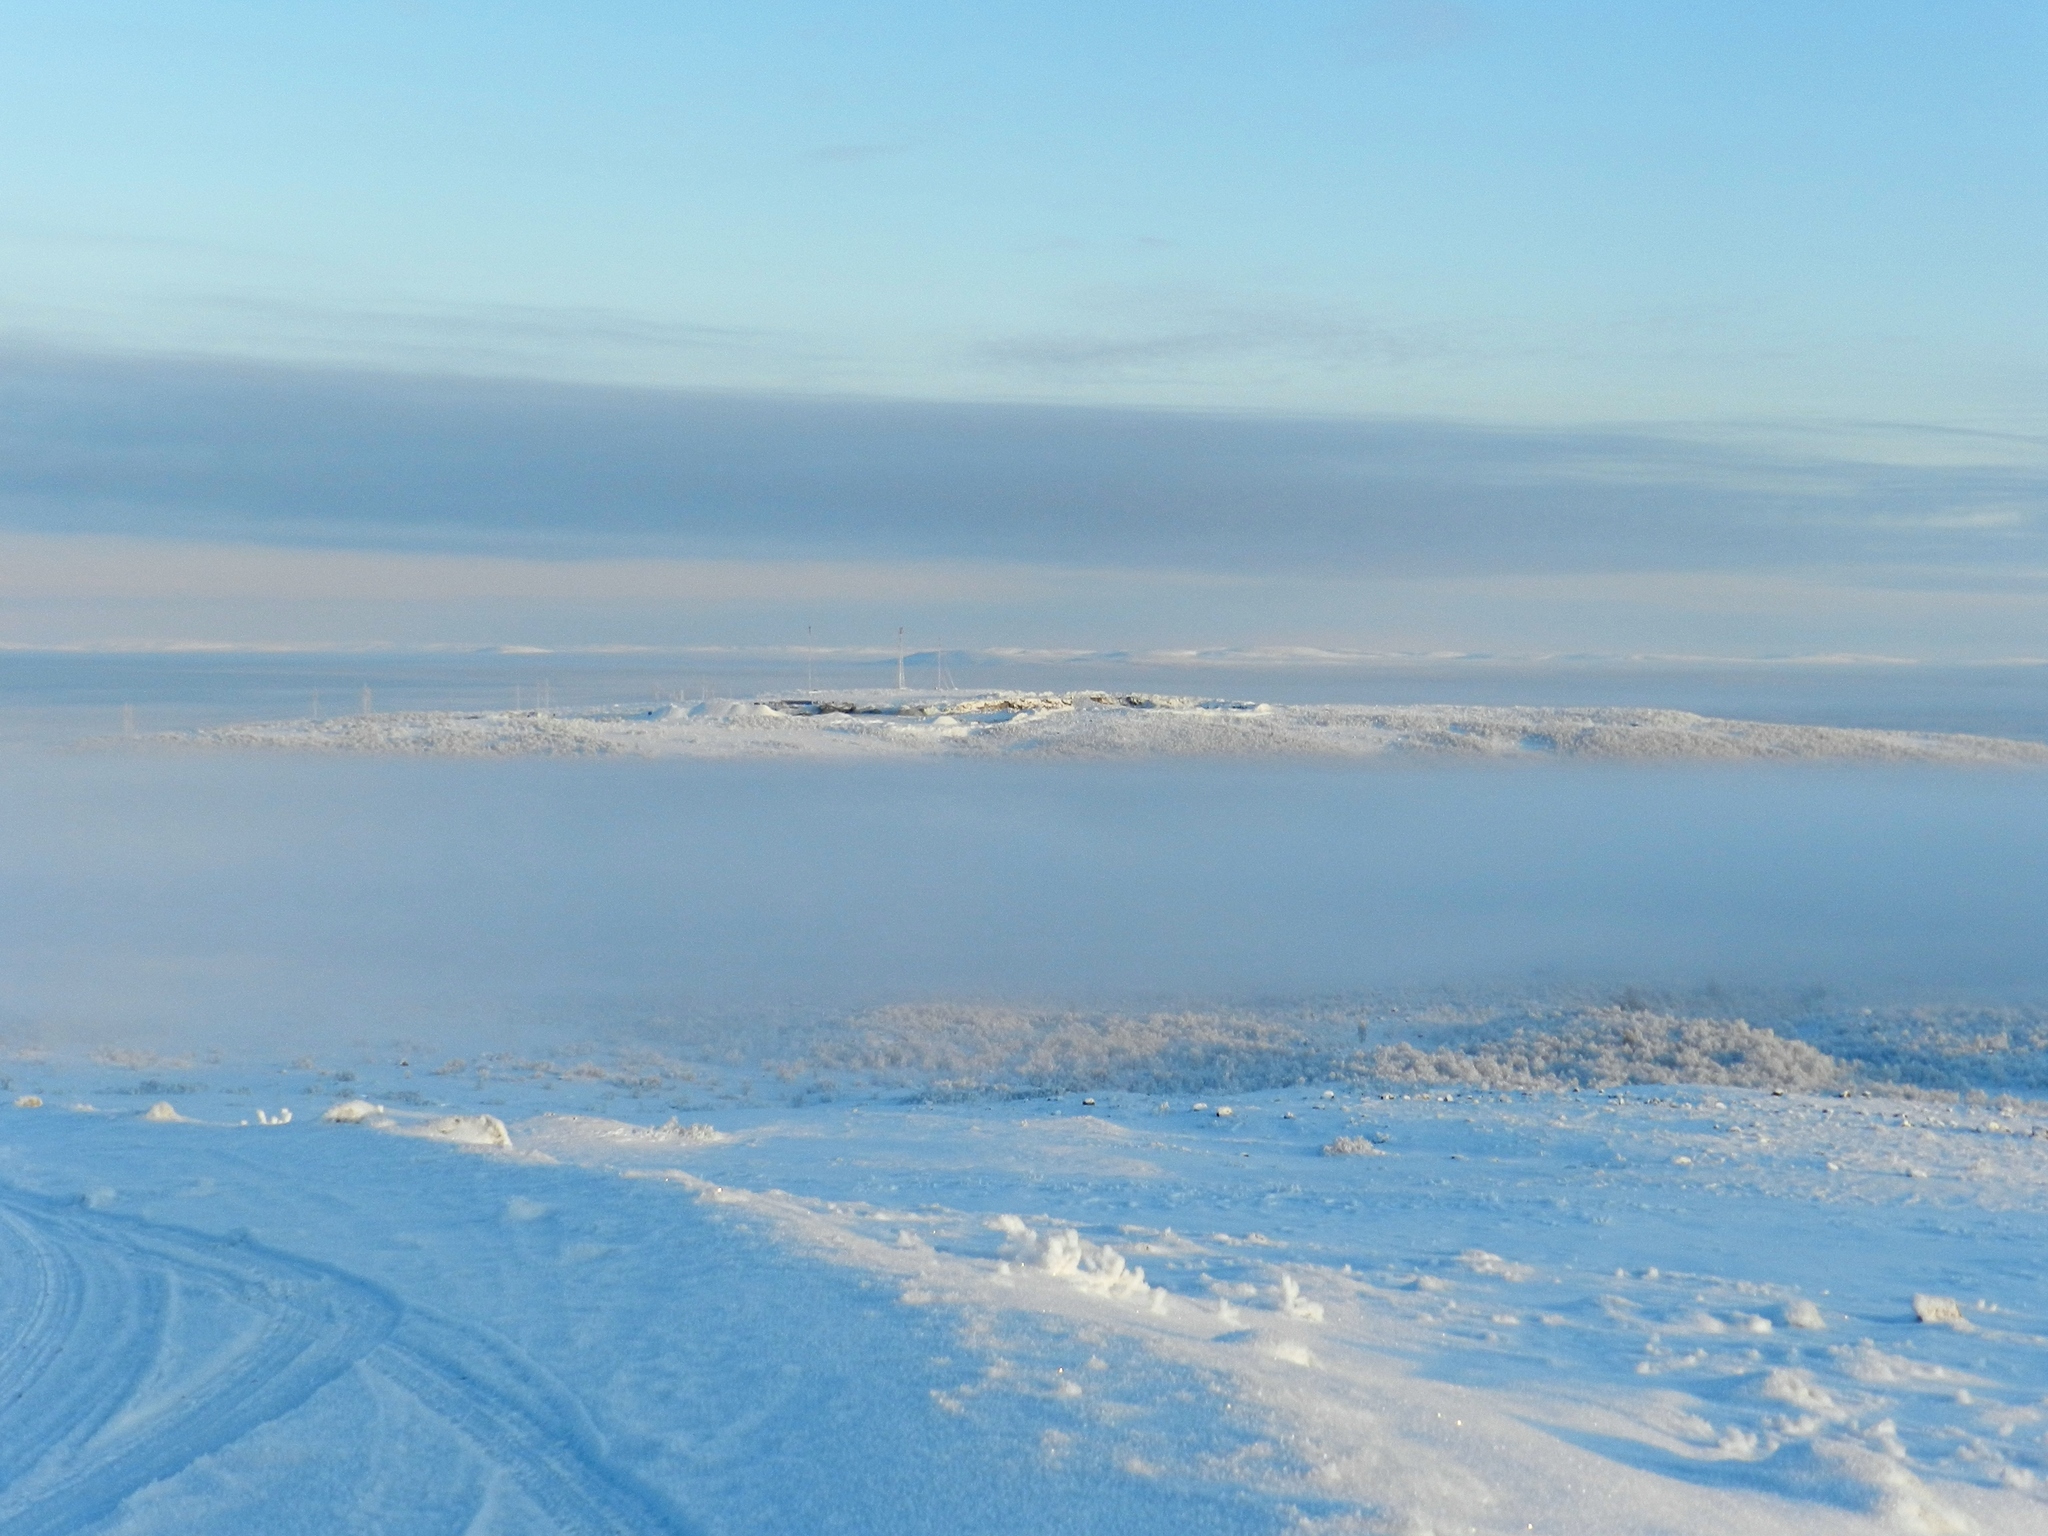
pixel 954 1051
pixel 1614 1046
pixel 966 1050
pixel 1953 1048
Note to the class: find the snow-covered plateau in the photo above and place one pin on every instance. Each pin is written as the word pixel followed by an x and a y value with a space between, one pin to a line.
pixel 1105 725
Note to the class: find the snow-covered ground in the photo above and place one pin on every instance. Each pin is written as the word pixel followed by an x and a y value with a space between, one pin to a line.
pixel 660 1302
pixel 1098 725
pixel 1104 1113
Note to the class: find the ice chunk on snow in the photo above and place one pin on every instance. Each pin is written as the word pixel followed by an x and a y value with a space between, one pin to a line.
pixel 1938 1309
pixel 283 1117
pixel 471 1130
pixel 161 1112
pixel 1802 1313
pixel 352 1112
pixel 1065 1253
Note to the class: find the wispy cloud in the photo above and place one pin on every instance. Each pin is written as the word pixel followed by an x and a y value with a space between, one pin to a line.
pixel 1139 333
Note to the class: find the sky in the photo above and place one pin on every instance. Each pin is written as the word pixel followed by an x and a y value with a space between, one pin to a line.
pixel 1399 324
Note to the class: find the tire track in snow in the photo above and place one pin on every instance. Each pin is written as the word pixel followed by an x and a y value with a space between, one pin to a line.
pixel 100 1440
pixel 56 1392
pixel 85 1315
pixel 532 1427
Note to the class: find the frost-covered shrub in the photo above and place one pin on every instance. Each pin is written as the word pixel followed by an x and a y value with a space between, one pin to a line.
pixel 1613 1046
pixel 963 1051
pixel 1950 1048
pixel 951 1051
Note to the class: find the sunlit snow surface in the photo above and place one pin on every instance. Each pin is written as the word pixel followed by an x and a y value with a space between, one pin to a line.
pixel 437 1137
pixel 1670 1309
pixel 1110 725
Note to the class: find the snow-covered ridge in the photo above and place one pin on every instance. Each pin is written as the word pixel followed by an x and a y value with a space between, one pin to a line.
pixel 1106 725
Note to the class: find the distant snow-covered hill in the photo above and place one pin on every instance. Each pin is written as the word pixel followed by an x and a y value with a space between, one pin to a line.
pixel 1104 725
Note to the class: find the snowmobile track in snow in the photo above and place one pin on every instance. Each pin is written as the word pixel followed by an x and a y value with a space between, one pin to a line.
pixel 86 1308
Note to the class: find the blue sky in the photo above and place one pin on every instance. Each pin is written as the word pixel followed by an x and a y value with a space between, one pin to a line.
pixel 1744 256
pixel 1514 212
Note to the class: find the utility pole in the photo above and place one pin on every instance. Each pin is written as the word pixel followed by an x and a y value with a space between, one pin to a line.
pixel 899 660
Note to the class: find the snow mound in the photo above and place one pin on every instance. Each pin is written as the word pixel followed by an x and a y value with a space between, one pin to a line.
pixel 1802 1313
pixel 470 1130
pixel 1352 1146
pixel 1066 1255
pixel 163 1114
pixel 352 1112
pixel 1480 1262
pixel 28 1101
pixel 1102 725
pixel 569 1135
pixel 1942 1310
pixel 673 1134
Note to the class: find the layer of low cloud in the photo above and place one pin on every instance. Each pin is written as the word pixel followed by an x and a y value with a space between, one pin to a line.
pixel 185 448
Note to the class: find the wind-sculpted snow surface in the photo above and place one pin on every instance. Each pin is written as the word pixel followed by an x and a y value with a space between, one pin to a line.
pixel 1364 1308
pixel 1102 725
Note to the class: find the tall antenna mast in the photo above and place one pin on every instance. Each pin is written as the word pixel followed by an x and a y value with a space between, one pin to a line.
pixel 899 660
pixel 809 653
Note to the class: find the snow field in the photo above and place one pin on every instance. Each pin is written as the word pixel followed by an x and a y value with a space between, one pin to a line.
pixel 1102 725
pixel 1673 1308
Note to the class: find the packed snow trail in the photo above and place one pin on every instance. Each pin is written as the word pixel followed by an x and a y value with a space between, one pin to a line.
pixel 81 1430
pixel 1103 725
